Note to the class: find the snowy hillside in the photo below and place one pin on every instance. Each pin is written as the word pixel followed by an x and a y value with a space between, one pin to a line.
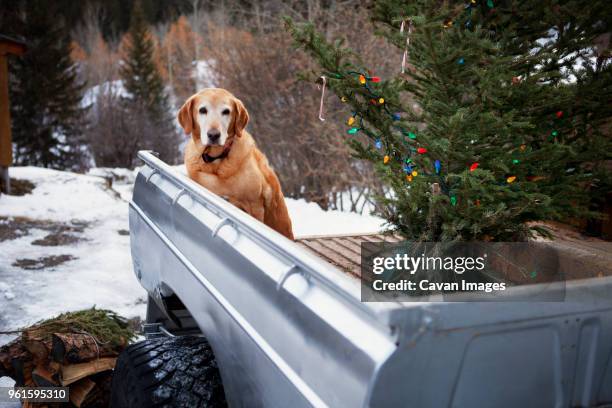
pixel 65 245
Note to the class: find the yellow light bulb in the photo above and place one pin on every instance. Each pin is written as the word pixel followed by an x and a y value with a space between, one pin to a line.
pixel 350 120
pixel 511 179
pixel 362 79
pixel 386 159
pixel 381 100
pixel 415 173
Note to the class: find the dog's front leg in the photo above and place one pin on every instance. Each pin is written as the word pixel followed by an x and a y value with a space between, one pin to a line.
pixel 258 212
pixel 255 211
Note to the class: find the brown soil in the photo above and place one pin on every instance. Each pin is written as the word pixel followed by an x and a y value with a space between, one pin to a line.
pixel 56 240
pixel 42 263
pixel 59 233
pixel 19 187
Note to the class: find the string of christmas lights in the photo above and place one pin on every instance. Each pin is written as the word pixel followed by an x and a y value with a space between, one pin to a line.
pixel 409 138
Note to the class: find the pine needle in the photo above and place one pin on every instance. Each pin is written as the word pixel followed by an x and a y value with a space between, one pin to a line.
pixel 105 326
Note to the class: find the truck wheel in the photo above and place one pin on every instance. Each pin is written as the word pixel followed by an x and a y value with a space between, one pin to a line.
pixel 169 372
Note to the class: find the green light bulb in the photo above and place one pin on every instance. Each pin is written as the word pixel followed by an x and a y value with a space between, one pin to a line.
pixel 352 131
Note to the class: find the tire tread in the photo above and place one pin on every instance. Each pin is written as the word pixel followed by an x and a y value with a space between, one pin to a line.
pixel 169 372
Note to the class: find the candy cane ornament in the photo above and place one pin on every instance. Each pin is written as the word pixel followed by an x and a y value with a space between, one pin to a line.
pixel 405 56
pixel 322 88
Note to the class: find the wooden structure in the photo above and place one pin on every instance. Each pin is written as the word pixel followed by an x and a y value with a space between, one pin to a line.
pixel 342 251
pixel 8 46
pixel 587 257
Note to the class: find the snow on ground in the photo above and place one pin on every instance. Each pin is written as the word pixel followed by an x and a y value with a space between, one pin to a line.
pixel 40 274
pixel 310 219
pixel 65 246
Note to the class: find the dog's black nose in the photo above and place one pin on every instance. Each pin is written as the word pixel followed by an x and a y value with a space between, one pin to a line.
pixel 213 135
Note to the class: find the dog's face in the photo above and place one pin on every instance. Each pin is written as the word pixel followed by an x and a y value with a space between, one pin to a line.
pixel 213 116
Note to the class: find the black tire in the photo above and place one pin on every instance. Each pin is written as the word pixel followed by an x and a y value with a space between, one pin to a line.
pixel 168 372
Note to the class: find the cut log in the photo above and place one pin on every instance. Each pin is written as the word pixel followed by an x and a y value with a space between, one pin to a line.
pixel 100 395
pixel 22 371
pixel 80 390
pixel 44 377
pixel 37 345
pixel 9 352
pixel 54 366
pixel 72 373
pixel 39 351
pixel 71 348
pixel 5 361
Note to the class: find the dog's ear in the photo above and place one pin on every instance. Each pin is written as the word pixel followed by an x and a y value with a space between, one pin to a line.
pixel 185 116
pixel 241 117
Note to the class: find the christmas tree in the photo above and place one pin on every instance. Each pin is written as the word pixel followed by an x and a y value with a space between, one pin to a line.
pixel 150 125
pixel 48 120
pixel 488 124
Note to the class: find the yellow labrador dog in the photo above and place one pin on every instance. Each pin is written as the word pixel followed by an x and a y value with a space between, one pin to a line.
pixel 222 157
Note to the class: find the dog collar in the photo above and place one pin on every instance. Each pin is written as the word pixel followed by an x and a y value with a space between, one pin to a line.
pixel 209 159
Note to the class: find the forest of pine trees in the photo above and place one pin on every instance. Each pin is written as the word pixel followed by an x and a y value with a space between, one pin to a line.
pixel 193 44
pixel 126 66
pixel 45 93
pixel 53 126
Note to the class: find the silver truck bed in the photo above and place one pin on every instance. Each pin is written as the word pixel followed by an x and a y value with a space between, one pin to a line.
pixel 289 330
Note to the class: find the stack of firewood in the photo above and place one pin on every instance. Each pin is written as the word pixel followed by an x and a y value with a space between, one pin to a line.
pixel 74 359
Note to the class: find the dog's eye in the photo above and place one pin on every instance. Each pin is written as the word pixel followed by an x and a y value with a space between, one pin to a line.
pixel 203 110
pixel 225 112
